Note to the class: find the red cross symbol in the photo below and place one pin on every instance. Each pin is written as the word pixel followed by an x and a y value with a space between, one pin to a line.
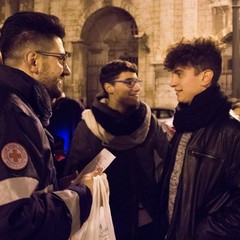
pixel 15 155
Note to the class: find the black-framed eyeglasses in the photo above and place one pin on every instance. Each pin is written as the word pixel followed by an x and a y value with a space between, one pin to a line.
pixel 62 57
pixel 130 82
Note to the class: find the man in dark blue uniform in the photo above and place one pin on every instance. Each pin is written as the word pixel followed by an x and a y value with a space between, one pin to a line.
pixel 34 62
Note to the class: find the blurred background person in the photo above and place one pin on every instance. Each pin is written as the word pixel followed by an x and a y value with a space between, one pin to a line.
pixel 66 114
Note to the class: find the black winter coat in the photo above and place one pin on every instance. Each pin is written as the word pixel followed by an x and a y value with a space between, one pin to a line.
pixel 207 204
pixel 30 205
pixel 131 175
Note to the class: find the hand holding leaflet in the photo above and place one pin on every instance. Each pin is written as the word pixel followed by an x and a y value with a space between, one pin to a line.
pixel 102 161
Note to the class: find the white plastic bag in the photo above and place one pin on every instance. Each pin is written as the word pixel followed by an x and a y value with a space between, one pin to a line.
pixel 99 224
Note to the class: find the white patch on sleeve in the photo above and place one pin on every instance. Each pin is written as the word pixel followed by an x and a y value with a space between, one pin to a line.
pixel 14 156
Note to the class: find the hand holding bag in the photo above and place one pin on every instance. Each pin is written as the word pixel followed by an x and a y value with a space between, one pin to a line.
pixel 99 224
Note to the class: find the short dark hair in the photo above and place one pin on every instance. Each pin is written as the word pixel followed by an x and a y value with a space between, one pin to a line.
pixel 199 53
pixel 110 71
pixel 23 28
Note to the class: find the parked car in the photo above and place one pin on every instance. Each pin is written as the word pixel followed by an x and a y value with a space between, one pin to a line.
pixel 164 115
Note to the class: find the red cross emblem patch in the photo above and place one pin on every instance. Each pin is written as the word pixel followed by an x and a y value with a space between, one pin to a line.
pixel 14 156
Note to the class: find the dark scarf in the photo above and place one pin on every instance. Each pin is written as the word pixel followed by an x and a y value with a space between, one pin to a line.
pixel 29 90
pixel 117 123
pixel 205 107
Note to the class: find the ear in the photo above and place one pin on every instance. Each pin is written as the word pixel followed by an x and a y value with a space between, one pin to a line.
pixel 31 59
pixel 108 87
pixel 207 78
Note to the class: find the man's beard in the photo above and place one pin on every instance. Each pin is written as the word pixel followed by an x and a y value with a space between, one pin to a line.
pixel 55 92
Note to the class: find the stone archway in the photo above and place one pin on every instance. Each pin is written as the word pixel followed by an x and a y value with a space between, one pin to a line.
pixel 80 48
pixel 108 34
pixel 225 80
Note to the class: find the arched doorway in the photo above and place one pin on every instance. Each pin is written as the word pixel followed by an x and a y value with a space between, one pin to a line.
pixel 108 34
pixel 225 80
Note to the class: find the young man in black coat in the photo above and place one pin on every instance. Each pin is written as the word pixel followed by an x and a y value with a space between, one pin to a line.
pixel 200 188
pixel 125 126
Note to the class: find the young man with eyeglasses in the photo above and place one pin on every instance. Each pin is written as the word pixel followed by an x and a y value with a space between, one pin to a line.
pixel 125 126
pixel 31 204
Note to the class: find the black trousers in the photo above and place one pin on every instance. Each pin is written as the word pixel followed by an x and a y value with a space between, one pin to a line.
pixel 146 232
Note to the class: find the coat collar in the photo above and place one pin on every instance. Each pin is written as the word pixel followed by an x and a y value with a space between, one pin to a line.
pixel 29 90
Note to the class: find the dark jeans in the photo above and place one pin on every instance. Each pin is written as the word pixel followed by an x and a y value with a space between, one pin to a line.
pixel 146 232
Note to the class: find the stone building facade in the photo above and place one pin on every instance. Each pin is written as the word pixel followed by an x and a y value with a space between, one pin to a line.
pixel 137 30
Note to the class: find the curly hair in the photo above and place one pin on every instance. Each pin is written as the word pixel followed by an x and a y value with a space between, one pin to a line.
pixel 199 53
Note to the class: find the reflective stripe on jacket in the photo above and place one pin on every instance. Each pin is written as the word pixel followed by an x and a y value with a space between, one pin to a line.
pixel 30 207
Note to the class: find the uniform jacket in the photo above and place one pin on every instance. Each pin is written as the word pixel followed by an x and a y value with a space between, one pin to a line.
pixel 31 207
pixel 207 205
pixel 132 174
